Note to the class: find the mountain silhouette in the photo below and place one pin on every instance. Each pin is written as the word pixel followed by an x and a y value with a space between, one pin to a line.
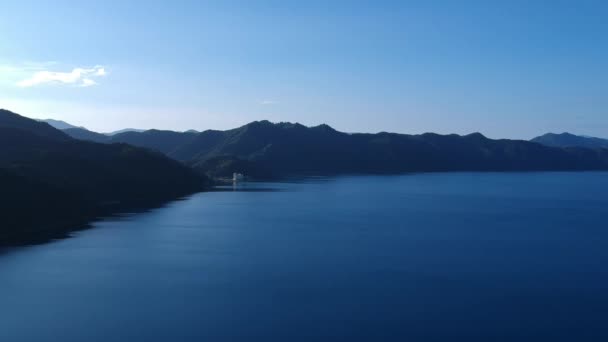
pixel 266 149
pixel 50 179
pixel 570 140
pixel 84 134
pixel 59 124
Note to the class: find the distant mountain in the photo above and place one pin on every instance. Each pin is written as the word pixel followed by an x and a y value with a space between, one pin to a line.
pixel 125 130
pixel 570 140
pixel 286 148
pixel 265 149
pixel 163 141
pixel 84 134
pixel 50 181
pixel 58 124
pixel 160 140
pixel 81 132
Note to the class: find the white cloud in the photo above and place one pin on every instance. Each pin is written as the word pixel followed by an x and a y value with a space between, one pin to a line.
pixel 268 102
pixel 78 76
pixel 87 82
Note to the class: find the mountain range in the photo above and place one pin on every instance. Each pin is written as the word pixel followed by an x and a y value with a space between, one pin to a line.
pixel 264 149
pixel 52 182
pixel 62 125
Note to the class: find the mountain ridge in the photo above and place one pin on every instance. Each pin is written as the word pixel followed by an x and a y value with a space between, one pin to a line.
pixel 566 139
pixel 268 149
pixel 59 124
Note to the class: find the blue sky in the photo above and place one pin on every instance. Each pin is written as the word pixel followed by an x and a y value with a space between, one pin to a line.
pixel 508 69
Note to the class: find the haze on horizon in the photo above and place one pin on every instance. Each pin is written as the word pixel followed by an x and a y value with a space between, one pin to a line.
pixel 514 69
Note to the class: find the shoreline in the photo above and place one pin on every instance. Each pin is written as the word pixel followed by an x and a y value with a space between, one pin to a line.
pixel 62 229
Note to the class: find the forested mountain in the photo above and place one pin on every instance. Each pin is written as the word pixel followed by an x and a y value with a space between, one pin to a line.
pixel 265 149
pixel 49 179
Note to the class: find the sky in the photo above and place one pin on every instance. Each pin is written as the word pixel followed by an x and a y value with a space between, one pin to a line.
pixel 507 69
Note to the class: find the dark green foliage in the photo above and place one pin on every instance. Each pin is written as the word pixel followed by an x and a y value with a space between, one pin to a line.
pixel 163 141
pixel 225 166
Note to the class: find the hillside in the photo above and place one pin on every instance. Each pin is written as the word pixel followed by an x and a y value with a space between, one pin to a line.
pixel 292 148
pixel 265 149
pixel 50 179
pixel 570 140
pixel 59 124
pixel 84 134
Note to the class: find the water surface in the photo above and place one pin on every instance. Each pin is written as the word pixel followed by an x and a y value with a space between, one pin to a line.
pixel 432 257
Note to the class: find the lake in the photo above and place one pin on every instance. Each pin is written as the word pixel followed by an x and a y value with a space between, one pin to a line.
pixel 421 257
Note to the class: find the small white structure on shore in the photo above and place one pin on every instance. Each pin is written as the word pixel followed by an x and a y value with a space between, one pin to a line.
pixel 237 177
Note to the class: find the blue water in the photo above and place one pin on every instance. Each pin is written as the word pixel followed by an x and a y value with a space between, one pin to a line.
pixel 432 257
